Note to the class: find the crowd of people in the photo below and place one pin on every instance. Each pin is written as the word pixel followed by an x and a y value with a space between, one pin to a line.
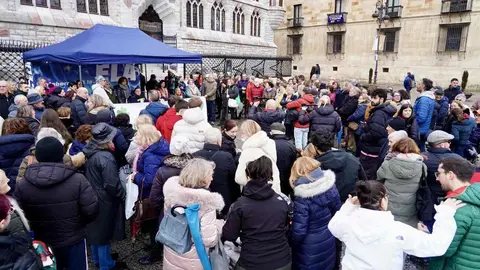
pixel 296 170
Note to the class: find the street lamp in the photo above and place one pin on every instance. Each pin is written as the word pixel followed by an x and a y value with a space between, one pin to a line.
pixel 381 16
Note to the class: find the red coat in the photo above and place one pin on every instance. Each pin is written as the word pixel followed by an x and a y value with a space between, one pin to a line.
pixel 307 99
pixel 253 91
pixel 166 122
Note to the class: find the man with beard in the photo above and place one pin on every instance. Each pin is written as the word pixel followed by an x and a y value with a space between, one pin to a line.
pixel 454 175
pixel 22 90
pixel 375 133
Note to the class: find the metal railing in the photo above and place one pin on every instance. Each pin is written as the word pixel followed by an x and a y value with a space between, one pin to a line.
pixel 12 66
pixel 295 22
pixel 456 6
pixel 237 65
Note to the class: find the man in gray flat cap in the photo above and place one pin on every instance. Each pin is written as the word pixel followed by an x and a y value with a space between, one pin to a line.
pixel 439 148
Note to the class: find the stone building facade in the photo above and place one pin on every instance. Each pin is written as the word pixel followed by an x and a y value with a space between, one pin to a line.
pixel 434 39
pixel 55 20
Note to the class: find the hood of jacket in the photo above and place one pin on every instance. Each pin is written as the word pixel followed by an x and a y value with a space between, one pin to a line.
pixel 428 94
pixel 177 161
pixel 76 147
pixel 471 195
pixel 258 190
pixel 316 183
pixel 160 148
pixel 13 107
pixel 43 175
pixel 156 109
pixel 309 98
pixel 177 194
pixel 96 110
pixel 371 225
pixel 15 145
pixel 406 166
pixel 325 110
pixel 390 108
pixel 336 160
pixel 261 141
pixel 193 116
pixel 91 148
pixel 271 115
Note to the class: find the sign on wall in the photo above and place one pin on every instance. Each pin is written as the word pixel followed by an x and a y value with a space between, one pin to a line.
pixel 61 74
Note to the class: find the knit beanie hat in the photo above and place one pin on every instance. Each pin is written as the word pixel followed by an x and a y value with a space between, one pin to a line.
pixel 49 149
pixel 397 123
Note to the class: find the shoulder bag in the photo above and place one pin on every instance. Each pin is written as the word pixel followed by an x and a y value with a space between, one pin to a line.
pixel 424 200
pixel 144 208
pixel 174 231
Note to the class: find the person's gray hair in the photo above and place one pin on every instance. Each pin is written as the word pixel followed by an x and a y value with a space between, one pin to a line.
pixel 196 173
pixel 49 132
pixel 271 104
pixel 19 98
pixel 25 111
pixel 39 80
pixel 153 95
pixel 213 135
pixel 100 78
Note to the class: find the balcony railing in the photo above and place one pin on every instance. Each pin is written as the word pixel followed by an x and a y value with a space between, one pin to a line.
pixel 456 6
pixel 295 22
pixel 337 18
pixel 394 11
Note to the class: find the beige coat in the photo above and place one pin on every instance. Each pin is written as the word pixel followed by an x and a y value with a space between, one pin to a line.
pixel 210 227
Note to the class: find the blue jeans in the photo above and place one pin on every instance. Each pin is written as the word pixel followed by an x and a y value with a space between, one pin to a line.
pixel 101 257
pixel 211 110
pixel 301 137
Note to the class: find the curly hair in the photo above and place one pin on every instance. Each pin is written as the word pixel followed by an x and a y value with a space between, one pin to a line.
pixel 16 126
pixel 83 133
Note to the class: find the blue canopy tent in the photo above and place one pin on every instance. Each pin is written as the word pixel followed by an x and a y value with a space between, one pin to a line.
pixel 106 44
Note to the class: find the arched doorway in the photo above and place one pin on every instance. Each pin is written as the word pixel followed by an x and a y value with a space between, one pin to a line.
pixel 151 24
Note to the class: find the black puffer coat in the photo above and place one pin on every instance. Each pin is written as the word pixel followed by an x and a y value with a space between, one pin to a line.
pixel 102 172
pixel 323 117
pixel 260 219
pixel 228 145
pixel 286 156
pixel 223 175
pixel 266 118
pixel 58 202
pixel 79 111
pixel 54 101
pixel 16 252
pixel 348 107
pixel 347 169
pixel 375 133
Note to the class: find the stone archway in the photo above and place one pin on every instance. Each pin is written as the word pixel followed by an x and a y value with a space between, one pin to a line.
pixel 150 23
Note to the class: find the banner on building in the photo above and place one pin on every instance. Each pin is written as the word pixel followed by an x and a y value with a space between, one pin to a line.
pixel 61 74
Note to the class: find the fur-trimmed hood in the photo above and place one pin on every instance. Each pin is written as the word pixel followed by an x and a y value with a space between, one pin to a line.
pixel 176 194
pixel 318 182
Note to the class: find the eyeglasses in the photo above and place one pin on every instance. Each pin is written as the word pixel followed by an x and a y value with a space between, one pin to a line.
pixel 438 174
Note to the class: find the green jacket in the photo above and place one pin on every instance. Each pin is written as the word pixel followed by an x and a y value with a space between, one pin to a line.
pixel 464 251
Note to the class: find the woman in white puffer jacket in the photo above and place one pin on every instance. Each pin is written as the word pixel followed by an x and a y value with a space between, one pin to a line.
pixel 256 143
pixel 193 126
pixel 374 240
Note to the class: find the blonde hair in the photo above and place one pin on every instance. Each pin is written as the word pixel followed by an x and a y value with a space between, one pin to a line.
pixel 303 166
pixel 97 101
pixel 143 120
pixel 196 172
pixel 309 151
pixel 249 128
pixel 147 135
pixel 324 101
